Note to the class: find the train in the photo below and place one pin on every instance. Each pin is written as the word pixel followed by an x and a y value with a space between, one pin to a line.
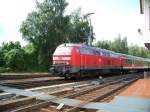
pixel 79 60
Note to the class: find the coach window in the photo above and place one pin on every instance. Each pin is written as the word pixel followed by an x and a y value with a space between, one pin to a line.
pixel 96 53
pixel 92 52
pixel 114 55
pixel 103 53
pixel 99 53
pixel 108 54
pixel 111 55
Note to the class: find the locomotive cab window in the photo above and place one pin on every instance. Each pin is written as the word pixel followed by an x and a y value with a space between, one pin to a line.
pixel 63 50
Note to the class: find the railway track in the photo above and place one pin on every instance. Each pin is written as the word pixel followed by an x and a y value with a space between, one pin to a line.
pixel 38 82
pixel 27 80
pixel 99 94
pixel 31 81
pixel 14 76
pixel 104 92
pixel 35 82
pixel 94 94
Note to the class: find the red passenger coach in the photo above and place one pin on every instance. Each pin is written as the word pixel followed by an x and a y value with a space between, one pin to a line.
pixel 72 60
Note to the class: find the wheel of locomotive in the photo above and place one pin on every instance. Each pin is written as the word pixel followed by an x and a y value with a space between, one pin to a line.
pixel 51 70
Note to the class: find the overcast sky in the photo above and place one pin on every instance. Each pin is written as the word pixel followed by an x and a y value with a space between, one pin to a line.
pixel 112 17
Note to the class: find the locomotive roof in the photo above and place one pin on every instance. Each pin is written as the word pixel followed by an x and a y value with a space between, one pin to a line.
pixel 81 45
pixel 71 44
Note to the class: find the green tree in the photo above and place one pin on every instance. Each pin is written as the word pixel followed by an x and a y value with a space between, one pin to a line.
pixel 31 58
pixel 2 60
pixel 7 46
pixel 133 50
pixel 45 28
pixel 143 52
pixel 138 51
pixel 104 44
pixel 48 26
pixel 79 27
pixel 12 56
pixel 120 45
pixel 15 59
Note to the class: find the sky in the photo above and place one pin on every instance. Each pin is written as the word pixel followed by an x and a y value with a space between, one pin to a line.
pixel 112 17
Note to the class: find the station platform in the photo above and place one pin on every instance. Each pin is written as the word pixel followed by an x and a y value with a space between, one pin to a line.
pixel 136 98
pixel 140 89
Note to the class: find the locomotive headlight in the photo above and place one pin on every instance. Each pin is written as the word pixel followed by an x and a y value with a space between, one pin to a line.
pixel 67 63
pixel 55 58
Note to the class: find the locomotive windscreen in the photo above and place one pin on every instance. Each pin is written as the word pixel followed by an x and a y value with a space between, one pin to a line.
pixel 63 50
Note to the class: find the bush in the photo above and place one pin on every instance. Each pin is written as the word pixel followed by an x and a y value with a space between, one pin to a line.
pixel 15 59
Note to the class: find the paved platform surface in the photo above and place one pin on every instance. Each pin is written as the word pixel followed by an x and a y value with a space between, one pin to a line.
pixel 140 89
pixel 136 98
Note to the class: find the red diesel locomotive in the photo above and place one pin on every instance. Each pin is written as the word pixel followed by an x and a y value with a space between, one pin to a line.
pixel 77 60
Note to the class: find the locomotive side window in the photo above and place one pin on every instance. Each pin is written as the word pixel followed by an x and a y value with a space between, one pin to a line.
pixel 104 53
pixel 92 52
pixel 113 55
pixel 88 51
pixel 83 51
